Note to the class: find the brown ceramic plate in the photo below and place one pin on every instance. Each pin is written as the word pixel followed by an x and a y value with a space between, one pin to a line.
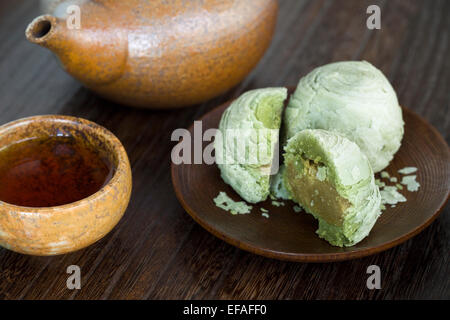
pixel 288 235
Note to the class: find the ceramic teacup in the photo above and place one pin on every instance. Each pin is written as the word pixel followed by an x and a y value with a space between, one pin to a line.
pixel 65 228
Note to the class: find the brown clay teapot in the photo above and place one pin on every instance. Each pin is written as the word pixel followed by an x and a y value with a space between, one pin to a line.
pixel 158 53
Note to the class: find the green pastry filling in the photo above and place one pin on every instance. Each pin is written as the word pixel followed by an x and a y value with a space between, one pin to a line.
pixel 268 112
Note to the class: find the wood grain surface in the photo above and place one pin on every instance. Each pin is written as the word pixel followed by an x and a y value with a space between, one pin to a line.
pixel 157 251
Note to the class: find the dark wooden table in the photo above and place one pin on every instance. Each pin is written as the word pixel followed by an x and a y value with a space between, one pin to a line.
pixel 157 251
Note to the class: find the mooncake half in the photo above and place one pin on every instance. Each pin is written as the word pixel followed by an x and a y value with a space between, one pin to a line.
pixel 246 149
pixel 331 178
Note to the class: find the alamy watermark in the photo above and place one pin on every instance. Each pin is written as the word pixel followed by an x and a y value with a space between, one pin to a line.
pixel 74 280
pixel 73 20
pixel 374 20
pixel 374 280
pixel 251 147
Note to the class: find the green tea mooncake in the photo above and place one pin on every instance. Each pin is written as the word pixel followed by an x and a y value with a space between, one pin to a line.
pixel 332 179
pixel 353 98
pixel 246 151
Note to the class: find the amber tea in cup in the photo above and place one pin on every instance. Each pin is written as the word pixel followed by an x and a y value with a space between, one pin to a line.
pixel 51 171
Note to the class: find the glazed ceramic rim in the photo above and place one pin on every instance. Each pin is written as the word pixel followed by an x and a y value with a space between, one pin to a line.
pixel 33 28
pixel 119 155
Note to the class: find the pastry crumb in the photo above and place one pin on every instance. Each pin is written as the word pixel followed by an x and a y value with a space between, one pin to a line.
pixel 380 183
pixel 407 170
pixel 410 182
pixel 390 195
pixel 385 174
pixel 277 203
pixel 224 202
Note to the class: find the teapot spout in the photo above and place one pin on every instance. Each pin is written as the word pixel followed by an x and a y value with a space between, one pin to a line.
pixel 43 31
pixel 93 56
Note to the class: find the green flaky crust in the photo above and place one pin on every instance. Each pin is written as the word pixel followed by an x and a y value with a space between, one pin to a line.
pixel 353 98
pixel 277 187
pixel 349 172
pixel 256 109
